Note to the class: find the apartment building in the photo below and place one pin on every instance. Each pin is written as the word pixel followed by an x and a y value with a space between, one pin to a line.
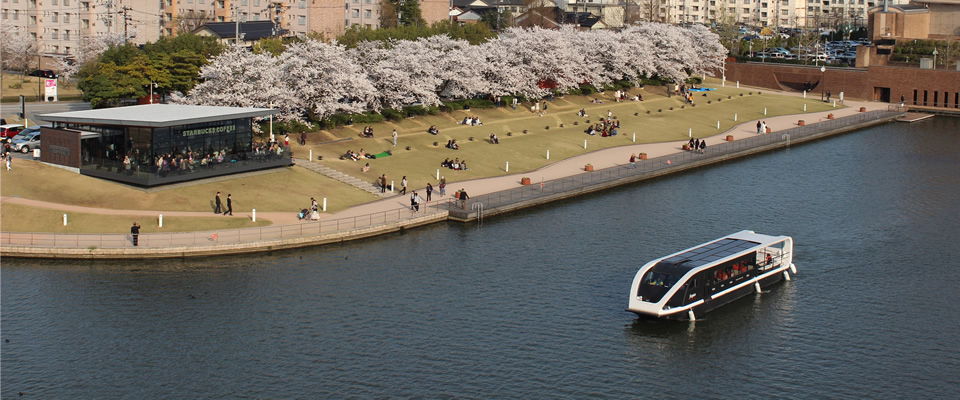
pixel 772 13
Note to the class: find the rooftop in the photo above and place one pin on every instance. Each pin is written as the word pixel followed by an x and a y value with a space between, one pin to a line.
pixel 156 115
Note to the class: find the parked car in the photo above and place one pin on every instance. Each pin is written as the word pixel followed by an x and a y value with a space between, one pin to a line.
pixel 44 73
pixel 10 130
pixel 27 140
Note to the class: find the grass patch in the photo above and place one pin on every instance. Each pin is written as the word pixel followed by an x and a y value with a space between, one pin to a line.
pixel 21 218
pixel 287 189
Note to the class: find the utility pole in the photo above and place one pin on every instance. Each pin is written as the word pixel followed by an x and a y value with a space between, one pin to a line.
pixel 126 22
pixel 236 20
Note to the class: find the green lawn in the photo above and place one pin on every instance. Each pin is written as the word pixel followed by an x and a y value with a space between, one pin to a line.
pixel 289 189
pixel 20 218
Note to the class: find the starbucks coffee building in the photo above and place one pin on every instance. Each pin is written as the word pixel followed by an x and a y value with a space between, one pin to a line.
pixel 157 144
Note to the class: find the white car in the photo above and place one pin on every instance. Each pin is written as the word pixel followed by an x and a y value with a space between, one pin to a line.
pixel 27 140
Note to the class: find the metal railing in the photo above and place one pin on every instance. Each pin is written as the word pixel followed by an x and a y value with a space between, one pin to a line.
pixel 584 181
pixel 222 236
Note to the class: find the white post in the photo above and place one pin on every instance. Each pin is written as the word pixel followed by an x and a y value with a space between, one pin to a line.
pixel 391 186
pixel 64 219
pixel 723 81
pixel 764 111
pixel 690 132
pixel 718 124
pixel 834 104
pixel 438 174
pixel 311 154
pixel 324 204
pixel 508 166
pixel 634 137
pixel 738 84
pixel 804 108
pixel 254 215
pixel 804 94
pixel 548 154
pixel 161 220
pixel 584 144
pixel 734 117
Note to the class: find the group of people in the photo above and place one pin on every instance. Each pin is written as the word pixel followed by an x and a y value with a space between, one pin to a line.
pixel 367 132
pixel 452 144
pixel 621 95
pixel 433 130
pixel 697 145
pixel 472 121
pixel 218 205
pixel 606 127
pixel 456 164
pixel 494 139
pixel 732 271
pixel 350 155
pixel 312 213
pixel 761 127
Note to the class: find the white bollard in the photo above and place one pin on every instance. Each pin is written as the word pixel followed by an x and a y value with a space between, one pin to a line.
pixel 311 155
pixel 64 219
pixel 764 111
pixel 690 132
pixel 324 204
pixel 548 154
pixel 804 108
pixel 254 215
pixel 718 124
pixel 438 174
pixel 804 94
pixel 507 167
pixel 738 84
pixel 391 186
pixel 584 144
pixel 161 220
pixel 734 117
pixel 634 137
pixel 834 104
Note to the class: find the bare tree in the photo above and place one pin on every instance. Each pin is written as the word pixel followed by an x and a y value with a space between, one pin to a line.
pixel 191 20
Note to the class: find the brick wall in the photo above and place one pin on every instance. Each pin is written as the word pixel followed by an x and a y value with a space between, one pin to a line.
pixel 873 83
pixel 60 147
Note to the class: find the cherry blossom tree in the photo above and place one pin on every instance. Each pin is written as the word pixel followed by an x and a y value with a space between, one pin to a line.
pixel 89 49
pixel 324 80
pixel 17 49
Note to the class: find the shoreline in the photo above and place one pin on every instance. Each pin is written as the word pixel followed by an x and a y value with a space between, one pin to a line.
pixel 665 158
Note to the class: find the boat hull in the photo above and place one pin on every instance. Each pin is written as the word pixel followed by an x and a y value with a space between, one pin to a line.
pixel 717 302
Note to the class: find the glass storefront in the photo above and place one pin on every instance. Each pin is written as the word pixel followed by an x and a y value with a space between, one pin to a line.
pixel 150 156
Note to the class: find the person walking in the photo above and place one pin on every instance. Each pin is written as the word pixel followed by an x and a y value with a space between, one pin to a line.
pixel 314 206
pixel 229 205
pixel 383 183
pixel 9 160
pixel 403 185
pixel 413 202
pixel 394 137
pixel 463 198
pixel 759 126
pixel 429 191
pixel 633 160
pixel 303 138
pixel 135 233
pixel 219 208
pixel 443 186
pixel 703 146
pixel 828 96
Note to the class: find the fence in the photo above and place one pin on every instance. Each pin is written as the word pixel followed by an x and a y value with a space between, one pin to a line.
pixel 221 237
pixel 587 181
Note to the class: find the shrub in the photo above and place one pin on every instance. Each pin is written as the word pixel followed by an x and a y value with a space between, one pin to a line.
pixel 588 89
pixel 391 114
pixel 695 79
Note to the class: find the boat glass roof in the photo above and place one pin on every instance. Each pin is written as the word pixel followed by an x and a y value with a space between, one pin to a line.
pixel 711 252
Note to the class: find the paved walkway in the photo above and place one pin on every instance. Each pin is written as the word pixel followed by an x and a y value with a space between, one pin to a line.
pixel 600 159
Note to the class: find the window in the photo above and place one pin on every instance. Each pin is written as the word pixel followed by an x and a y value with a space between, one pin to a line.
pixel 367 13
pixel 220 4
pixel 56 34
pixel 303 4
pixel 256 3
pixel 303 20
pixel 746 11
pixel 785 12
pixel 66 35
pixel 85 23
pixel 32 4
pixel 84 6
pixel 55 17
pixel 221 19
pixel 33 20
pixel 243 2
pixel 356 13
pixel 54 2
pixel 66 3
pixel 66 18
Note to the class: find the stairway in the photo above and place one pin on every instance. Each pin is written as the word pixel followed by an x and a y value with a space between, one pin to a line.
pixel 369 187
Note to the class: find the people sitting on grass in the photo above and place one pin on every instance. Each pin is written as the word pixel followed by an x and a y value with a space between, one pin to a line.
pixel 446 163
pixel 361 154
pixel 452 144
pixel 494 139
pixel 582 113
pixel 433 130
pixel 596 101
pixel 592 130
pixel 472 121
pixel 368 132
pixel 638 97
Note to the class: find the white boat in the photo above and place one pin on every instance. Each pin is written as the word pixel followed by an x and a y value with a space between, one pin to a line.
pixel 694 281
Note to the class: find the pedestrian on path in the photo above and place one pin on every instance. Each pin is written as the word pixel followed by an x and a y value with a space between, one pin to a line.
pixel 763 127
pixel 229 205
pixel 135 233
pixel 9 161
pixel 443 186
pixel 463 198
pixel 219 208
pixel 429 191
pixel 303 138
pixel 633 160
pixel 828 96
pixel 759 126
pixel 394 137
pixel 703 146
pixel 403 185
pixel 383 183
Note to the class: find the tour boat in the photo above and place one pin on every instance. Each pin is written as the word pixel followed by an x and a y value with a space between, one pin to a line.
pixel 694 281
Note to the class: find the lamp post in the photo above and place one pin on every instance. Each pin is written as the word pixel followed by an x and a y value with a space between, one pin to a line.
pixel 935 58
pixel 822 70
pixel 152 85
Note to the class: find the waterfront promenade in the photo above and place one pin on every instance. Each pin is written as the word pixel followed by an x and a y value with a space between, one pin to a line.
pixel 561 179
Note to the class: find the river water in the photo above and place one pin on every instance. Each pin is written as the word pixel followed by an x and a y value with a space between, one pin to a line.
pixel 531 305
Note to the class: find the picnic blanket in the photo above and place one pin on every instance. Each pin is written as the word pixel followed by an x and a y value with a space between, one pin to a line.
pixel 702 89
pixel 383 154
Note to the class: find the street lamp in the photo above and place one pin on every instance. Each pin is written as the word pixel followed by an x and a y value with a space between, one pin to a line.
pixel 822 70
pixel 152 85
pixel 935 58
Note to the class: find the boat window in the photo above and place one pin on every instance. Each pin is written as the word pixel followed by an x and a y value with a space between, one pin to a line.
pixel 656 284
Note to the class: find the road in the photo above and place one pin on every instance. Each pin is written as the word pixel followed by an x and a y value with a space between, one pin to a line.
pixel 10 110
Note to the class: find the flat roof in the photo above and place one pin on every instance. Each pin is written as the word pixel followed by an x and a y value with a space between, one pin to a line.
pixel 711 252
pixel 156 115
